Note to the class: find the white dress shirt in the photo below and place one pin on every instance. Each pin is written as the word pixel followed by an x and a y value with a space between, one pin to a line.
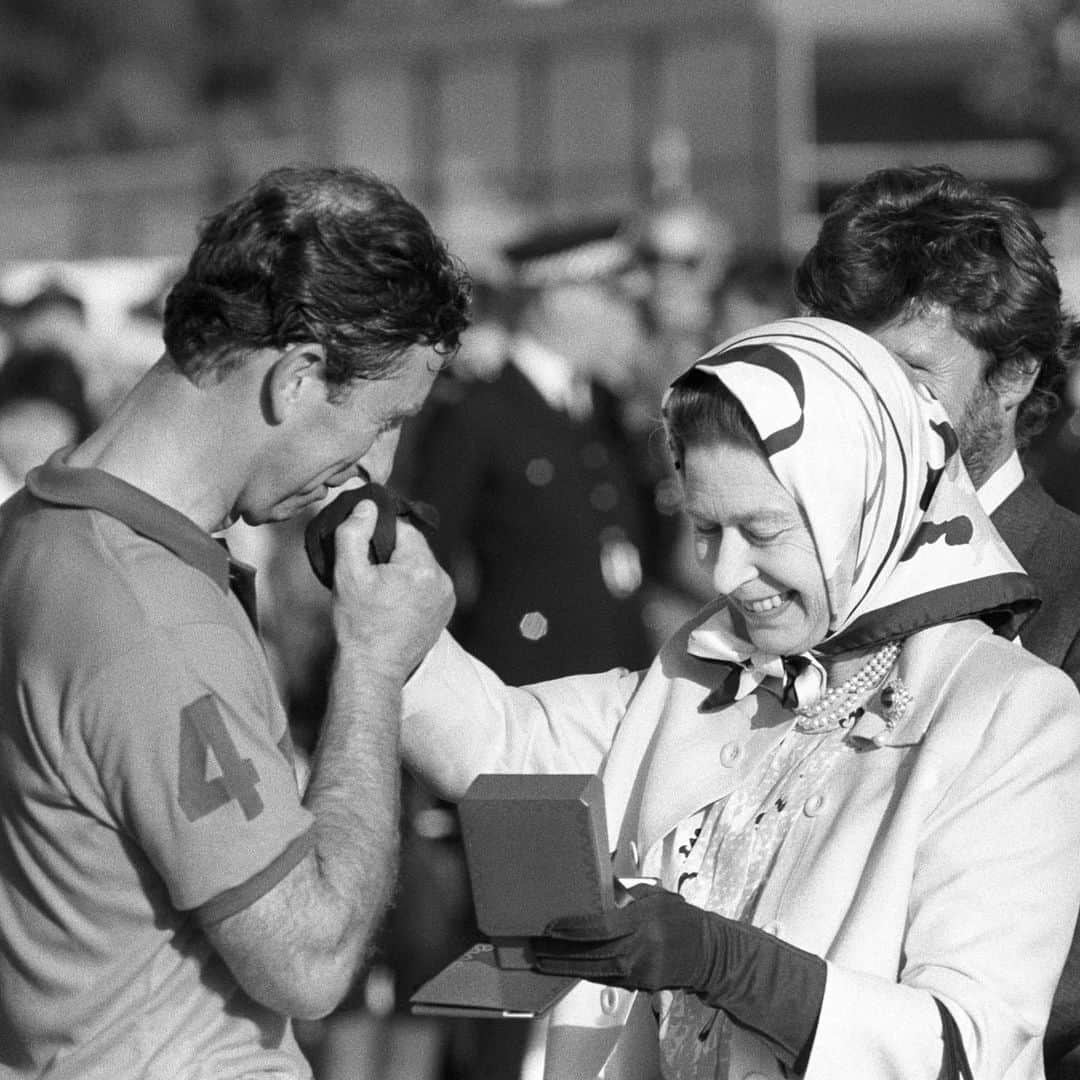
pixel 553 376
pixel 1001 483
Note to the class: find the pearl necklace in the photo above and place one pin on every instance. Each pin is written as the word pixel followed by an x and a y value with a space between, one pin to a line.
pixel 840 703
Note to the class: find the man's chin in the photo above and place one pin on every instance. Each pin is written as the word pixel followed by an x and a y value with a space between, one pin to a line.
pixel 272 515
pixel 294 506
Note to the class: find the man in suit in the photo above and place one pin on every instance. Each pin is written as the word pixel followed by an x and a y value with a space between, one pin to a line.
pixel 955 280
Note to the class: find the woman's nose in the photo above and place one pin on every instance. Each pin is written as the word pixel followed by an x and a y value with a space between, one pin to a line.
pixel 732 566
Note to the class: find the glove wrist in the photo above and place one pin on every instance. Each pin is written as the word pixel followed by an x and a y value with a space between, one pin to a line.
pixel 767 985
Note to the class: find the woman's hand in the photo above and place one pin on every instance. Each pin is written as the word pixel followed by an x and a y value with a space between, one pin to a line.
pixel 657 941
pixel 660 942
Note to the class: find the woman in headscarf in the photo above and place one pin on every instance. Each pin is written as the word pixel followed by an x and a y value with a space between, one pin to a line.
pixel 857 794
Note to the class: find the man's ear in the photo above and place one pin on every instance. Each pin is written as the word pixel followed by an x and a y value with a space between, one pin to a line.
pixel 296 374
pixel 1014 384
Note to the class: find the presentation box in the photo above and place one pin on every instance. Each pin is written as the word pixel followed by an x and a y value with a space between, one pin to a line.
pixel 536 849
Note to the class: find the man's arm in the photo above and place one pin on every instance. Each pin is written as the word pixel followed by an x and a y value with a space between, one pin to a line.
pixel 298 947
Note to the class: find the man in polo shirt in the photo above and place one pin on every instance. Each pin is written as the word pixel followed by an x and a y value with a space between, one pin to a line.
pixel 168 896
pixel 954 279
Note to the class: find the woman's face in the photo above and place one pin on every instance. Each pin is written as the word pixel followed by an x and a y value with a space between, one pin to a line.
pixel 750 535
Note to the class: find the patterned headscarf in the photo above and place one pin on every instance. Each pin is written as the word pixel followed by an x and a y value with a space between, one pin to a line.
pixel 873 461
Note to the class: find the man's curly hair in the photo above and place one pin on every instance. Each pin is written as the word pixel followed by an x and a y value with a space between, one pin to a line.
pixel 321 254
pixel 903 239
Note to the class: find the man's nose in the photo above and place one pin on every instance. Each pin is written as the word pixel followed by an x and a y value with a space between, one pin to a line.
pixel 378 462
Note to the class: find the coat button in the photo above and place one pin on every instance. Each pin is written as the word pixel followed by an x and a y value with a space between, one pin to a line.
pixel 812 806
pixel 729 754
pixel 533 625
pixel 609 1001
pixel 540 472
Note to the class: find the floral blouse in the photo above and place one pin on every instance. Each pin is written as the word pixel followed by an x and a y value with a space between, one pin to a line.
pixel 719 859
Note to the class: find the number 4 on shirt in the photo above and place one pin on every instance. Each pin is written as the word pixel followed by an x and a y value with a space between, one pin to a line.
pixel 202 733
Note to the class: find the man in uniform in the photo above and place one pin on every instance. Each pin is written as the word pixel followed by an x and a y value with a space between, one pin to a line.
pixel 168 895
pixel 544 522
pixel 954 279
pixel 544 514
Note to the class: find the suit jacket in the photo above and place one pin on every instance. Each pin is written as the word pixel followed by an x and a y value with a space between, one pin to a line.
pixel 1045 538
pixel 939 858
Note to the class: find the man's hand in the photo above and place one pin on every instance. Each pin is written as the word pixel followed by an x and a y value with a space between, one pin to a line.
pixel 297 948
pixel 393 611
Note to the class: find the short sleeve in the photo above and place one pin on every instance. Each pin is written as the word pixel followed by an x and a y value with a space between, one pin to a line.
pixel 187 745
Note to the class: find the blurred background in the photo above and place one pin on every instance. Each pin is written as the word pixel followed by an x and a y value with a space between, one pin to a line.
pixel 718 129
pixel 731 123
pixel 120 131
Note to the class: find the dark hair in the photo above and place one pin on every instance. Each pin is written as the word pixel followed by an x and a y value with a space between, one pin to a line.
pixel 905 238
pixel 46 373
pixel 700 411
pixel 323 254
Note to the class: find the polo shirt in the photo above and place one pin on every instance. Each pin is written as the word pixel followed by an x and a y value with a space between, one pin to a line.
pixel 146 790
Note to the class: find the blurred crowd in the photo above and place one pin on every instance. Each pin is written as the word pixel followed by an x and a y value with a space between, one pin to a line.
pixel 59 374
pixel 539 447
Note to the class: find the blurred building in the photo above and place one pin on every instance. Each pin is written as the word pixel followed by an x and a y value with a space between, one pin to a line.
pixel 488 113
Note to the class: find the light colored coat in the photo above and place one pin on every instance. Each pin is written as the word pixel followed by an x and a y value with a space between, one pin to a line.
pixel 940 858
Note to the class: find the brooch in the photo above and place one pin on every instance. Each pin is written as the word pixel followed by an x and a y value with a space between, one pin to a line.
pixel 895 701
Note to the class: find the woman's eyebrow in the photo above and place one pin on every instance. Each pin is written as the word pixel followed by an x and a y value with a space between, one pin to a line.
pixel 769 517
pixel 753 516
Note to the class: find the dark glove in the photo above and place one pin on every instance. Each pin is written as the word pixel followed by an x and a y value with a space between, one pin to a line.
pixel 319 534
pixel 659 941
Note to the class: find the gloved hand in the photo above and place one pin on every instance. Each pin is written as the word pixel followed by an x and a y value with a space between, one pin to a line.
pixel 660 942
pixel 657 941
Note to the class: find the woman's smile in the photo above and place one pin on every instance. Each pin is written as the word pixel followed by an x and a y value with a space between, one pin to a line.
pixel 764 606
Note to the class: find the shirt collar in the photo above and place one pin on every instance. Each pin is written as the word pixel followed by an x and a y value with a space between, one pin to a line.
pixel 1001 483
pixel 552 375
pixel 58 483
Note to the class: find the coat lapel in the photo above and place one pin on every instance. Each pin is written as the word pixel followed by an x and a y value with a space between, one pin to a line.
pixel 671 759
pixel 701 757
pixel 1022 517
